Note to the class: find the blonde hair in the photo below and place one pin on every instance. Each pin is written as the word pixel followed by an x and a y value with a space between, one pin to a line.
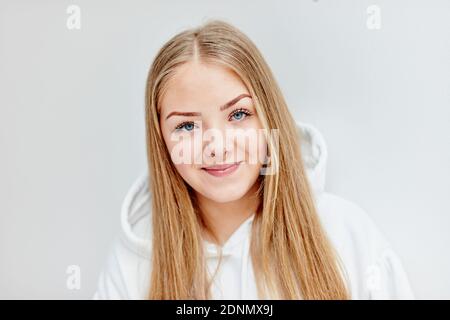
pixel 290 252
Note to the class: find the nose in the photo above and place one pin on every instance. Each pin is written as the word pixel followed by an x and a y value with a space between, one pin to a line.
pixel 217 148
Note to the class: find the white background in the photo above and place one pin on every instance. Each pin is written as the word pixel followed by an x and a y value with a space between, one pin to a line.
pixel 72 126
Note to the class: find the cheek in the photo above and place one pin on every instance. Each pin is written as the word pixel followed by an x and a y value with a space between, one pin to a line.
pixel 183 153
pixel 262 150
pixel 185 171
pixel 253 146
pixel 184 150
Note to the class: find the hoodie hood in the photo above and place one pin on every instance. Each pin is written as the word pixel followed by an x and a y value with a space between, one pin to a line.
pixel 136 208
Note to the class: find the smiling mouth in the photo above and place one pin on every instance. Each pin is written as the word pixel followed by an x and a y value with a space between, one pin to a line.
pixel 222 169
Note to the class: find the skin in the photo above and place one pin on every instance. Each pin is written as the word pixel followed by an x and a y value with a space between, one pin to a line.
pixel 196 87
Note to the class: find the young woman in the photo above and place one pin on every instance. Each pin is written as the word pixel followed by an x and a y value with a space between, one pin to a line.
pixel 210 222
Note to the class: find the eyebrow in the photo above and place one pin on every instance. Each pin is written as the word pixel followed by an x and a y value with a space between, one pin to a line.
pixel 225 106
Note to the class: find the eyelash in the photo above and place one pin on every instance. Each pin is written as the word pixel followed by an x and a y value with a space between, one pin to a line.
pixel 239 110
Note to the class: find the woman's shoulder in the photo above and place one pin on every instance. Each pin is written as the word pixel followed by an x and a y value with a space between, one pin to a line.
pixel 373 268
pixel 347 221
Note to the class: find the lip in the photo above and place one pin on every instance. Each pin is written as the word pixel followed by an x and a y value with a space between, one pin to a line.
pixel 222 169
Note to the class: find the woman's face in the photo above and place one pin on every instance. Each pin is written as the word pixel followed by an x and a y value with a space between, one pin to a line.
pixel 211 129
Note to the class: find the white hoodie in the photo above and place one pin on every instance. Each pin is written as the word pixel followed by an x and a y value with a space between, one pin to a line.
pixel 373 269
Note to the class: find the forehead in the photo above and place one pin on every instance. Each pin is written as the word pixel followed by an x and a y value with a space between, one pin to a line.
pixel 196 85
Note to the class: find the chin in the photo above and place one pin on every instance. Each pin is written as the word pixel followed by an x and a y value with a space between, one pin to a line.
pixel 222 196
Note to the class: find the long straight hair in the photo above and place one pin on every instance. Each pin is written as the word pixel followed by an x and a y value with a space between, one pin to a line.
pixel 291 254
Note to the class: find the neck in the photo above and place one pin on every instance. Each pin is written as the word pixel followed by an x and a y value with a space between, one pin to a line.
pixel 222 219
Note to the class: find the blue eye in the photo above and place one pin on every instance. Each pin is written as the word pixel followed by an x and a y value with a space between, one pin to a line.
pixel 239 114
pixel 188 126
